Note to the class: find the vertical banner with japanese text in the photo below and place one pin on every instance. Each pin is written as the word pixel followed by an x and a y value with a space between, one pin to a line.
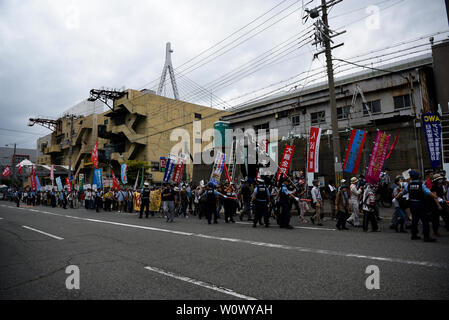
pixel 286 161
pixel 314 150
pixel 218 168
pixel 432 129
pixel 378 156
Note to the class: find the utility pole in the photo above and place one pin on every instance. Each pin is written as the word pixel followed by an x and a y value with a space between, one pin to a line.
pixel 323 36
pixel 71 146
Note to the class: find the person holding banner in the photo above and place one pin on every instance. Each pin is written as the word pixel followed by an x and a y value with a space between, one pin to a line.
pixel 261 197
pixel 230 203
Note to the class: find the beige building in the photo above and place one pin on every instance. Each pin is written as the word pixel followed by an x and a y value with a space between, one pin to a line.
pixel 140 126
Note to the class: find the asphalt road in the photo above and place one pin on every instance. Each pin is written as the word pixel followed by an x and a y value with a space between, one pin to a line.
pixel 122 257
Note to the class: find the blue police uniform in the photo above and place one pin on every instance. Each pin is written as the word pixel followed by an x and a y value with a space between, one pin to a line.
pixel 211 205
pixel 262 195
pixel 284 220
pixel 417 191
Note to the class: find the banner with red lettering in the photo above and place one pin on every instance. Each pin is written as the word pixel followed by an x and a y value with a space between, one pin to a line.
pixel 68 184
pixel 52 172
pixel 6 172
pixel 314 150
pixel 33 179
pixel 180 163
pixel 94 157
pixel 378 156
pixel 286 161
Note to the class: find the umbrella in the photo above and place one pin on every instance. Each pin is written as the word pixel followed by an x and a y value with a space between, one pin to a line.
pixel 25 163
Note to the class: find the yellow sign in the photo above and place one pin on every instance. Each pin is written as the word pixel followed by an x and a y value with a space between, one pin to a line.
pixel 155 200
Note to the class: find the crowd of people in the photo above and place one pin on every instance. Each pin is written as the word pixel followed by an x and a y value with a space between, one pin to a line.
pixel 262 201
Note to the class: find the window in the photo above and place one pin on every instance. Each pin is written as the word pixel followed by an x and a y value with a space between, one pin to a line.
pixel 155 166
pixel 106 121
pixel 198 116
pixel 373 106
pixel 295 121
pixel 318 117
pixel 282 114
pixel 264 126
pixel 401 102
pixel 343 112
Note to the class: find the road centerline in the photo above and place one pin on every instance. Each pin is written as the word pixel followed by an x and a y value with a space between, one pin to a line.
pixel 44 233
pixel 201 283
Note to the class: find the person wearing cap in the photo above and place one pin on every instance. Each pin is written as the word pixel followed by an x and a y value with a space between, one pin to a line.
pixel 354 200
pixel 369 210
pixel 317 201
pixel 438 189
pixel 211 195
pixel 261 197
pixel 417 191
pixel 145 200
pixel 342 207
pixel 284 197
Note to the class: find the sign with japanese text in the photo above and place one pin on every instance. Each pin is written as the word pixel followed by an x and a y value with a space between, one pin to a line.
pixel 378 156
pixel 314 150
pixel 432 130
pixel 286 161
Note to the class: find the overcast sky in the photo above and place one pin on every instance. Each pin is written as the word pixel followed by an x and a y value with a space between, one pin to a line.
pixel 53 52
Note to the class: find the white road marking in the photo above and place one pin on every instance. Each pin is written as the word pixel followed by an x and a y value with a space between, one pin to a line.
pixel 268 245
pixel 201 283
pixel 1 218
pixel 308 228
pixel 45 233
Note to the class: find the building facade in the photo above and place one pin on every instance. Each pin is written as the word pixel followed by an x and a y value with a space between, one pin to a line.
pixel 370 100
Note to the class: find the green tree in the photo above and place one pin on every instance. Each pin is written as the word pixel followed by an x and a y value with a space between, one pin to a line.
pixel 134 167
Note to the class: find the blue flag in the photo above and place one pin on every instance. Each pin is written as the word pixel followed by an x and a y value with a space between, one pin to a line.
pixel 59 184
pixel 123 175
pixel 98 178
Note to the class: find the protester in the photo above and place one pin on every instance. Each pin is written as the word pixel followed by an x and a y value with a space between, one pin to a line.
pixel 342 207
pixel 317 202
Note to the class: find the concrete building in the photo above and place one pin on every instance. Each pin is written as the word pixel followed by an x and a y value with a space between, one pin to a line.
pixel 55 147
pixel 391 103
pixel 141 124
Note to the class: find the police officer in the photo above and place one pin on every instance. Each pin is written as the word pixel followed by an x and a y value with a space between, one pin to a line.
pixel 284 197
pixel 261 197
pixel 211 202
pixel 145 198
pixel 18 197
pixel 230 203
pixel 417 191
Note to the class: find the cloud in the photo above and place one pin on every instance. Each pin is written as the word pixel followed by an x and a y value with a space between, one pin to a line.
pixel 53 52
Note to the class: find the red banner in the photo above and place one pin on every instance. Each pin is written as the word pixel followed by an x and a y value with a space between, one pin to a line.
pixel 228 176
pixel 314 150
pixel 177 175
pixel 33 179
pixel 394 144
pixel 68 184
pixel 115 183
pixel 6 172
pixel 52 172
pixel 286 161
pixel 20 169
pixel 94 157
